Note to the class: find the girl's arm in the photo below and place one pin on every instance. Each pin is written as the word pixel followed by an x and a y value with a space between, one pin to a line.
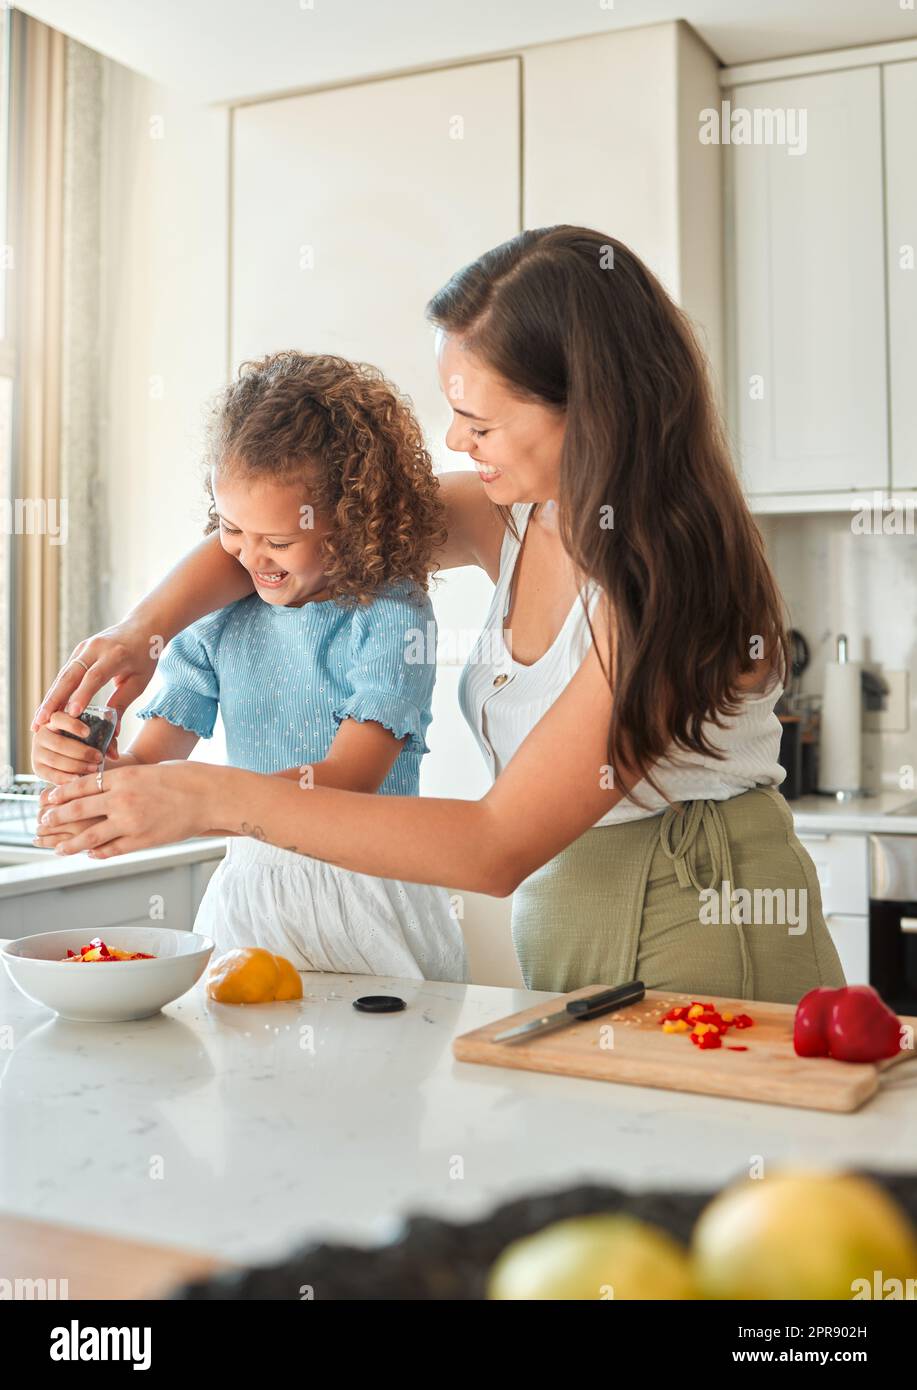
pixel 360 758
pixel 158 742
pixel 207 579
pixel 554 789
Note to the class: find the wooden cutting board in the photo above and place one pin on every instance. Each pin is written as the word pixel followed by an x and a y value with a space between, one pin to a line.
pixel 629 1046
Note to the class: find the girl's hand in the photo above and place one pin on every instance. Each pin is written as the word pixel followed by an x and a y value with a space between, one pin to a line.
pixel 141 807
pixel 56 758
pixel 126 654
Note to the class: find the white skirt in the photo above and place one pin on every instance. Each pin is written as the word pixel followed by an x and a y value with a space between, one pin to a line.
pixel 325 918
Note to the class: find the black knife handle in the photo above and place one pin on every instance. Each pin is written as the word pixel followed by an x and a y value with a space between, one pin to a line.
pixel 597 1004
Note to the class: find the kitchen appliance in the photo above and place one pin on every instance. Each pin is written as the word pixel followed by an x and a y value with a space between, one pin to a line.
pixel 632 1048
pixel 798 755
pixel 893 919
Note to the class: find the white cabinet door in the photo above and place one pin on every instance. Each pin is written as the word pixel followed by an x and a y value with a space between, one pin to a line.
pixel 851 939
pixel 842 866
pixel 809 290
pixel 352 207
pixel 900 84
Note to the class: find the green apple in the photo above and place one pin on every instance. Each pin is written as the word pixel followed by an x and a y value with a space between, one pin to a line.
pixel 593 1257
pixel 802 1235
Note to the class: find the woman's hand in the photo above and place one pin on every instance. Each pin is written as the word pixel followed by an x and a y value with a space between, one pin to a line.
pixel 138 807
pixel 56 758
pixel 206 579
pixel 126 654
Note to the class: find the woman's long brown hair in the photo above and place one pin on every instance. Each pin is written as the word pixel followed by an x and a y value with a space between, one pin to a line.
pixel 650 507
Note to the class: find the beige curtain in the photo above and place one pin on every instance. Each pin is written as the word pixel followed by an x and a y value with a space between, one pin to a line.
pixel 37 186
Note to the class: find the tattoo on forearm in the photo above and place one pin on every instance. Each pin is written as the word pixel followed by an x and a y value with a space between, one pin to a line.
pixel 254 831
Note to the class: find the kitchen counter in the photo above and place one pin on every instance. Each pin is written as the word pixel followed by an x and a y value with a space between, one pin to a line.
pixel 236 1132
pixel 24 869
pixel 821 815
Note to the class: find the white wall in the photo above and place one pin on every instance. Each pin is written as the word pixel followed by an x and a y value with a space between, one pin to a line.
pixel 163 323
pixel 163 339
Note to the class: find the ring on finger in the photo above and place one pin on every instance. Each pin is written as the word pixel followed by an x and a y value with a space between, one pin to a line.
pixel 79 661
pixel 99 777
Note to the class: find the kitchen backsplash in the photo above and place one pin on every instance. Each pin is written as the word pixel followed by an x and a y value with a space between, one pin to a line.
pixel 835 580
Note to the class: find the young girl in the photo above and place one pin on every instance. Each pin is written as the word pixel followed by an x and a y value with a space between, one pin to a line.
pixel 322 489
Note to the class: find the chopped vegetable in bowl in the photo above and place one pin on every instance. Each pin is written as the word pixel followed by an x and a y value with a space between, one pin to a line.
pixel 97 950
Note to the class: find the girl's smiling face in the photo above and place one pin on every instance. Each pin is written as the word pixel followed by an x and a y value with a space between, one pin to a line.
pixel 267 527
pixel 515 444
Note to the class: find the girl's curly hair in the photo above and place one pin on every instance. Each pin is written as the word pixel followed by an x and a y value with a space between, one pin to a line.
pixel 343 426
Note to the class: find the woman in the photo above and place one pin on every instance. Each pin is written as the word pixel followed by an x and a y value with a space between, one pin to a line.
pixel 624 688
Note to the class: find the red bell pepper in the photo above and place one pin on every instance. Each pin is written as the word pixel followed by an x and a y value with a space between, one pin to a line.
pixel 851 1024
pixel 810 1026
pixel 861 1027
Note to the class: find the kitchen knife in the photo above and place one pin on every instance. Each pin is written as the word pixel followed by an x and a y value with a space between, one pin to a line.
pixel 578 1011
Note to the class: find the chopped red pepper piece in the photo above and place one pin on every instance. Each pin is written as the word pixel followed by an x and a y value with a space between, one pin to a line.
pixel 737 1047
pixel 708 1026
pixel 713 1020
pixel 100 954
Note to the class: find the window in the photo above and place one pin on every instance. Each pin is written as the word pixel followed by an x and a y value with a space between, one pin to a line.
pixel 7 376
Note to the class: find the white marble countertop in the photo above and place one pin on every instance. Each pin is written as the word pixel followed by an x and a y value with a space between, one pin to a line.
pixel 239 1132
pixel 861 814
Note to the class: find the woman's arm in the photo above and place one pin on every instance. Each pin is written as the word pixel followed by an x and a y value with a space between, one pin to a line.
pixel 206 579
pixel 475 527
pixel 555 788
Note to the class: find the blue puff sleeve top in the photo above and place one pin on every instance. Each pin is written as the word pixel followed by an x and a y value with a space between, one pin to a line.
pixel 284 678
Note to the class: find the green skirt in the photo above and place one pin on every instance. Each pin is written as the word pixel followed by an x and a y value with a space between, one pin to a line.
pixel 710 897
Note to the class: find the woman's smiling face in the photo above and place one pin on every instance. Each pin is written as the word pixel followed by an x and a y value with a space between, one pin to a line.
pixel 515 444
pixel 273 534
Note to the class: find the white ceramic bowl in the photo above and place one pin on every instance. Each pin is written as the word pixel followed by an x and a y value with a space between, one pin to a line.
pixel 107 993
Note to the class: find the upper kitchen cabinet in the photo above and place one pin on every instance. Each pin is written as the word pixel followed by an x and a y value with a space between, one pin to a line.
pixel 900 92
pixel 351 207
pixel 809 387
pixel 611 141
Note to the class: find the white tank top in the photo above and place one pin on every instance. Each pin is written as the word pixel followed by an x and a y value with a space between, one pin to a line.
pixel 503 700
